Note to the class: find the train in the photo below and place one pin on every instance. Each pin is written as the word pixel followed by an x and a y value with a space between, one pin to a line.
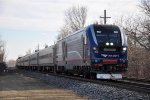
pixel 96 51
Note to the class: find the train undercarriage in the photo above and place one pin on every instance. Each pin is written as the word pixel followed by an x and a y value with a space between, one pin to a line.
pixel 85 71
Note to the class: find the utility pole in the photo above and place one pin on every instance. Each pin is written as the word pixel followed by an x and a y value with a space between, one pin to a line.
pixel 105 17
pixel 38 48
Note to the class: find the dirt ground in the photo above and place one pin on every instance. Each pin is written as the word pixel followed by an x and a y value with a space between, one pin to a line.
pixel 16 86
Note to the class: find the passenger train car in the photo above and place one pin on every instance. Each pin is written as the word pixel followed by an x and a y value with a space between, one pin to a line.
pixel 96 51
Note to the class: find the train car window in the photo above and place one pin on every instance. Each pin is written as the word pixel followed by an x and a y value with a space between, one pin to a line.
pixel 99 31
pixel 115 31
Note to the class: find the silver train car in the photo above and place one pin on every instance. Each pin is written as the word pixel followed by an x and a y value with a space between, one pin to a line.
pixel 41 60
pixel 46 59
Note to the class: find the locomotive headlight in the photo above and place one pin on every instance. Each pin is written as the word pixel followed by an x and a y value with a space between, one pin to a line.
pixel 124 48
pixel 96 61
pixel 94 48
pixel 111 44
pixel 107 43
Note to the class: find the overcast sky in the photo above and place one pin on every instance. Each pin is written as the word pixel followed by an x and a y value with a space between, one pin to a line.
pixel 26 23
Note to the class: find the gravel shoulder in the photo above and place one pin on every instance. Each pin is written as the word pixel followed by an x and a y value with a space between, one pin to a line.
pixel 26 85
pixel 18 86
pixel 90 90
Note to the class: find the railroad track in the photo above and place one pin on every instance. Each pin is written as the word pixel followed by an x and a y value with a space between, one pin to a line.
pixel 137 80
pixel 124 84
pixel 135 86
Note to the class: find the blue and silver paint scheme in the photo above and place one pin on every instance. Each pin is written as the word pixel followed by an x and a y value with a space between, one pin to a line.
pixel 107 61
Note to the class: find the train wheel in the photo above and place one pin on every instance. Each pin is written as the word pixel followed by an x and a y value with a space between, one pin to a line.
pixel 92 75
pixel 86 75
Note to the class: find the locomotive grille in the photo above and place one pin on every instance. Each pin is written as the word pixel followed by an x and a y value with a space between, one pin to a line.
pixel 110 49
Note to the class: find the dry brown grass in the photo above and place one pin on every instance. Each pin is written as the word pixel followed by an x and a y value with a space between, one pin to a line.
pixel 20 87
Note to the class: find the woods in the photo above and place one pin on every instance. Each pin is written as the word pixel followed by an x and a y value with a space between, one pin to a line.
pixel 2 56
pixel 138 31
pixel 75 18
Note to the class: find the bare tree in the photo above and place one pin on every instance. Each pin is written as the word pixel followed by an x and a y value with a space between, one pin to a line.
pixel 11 63
pixel 2 56
pixel 139 28
pixel 138 31
pixel 28 52
pixel 145 5
pixel 75 18
pixel 2 51
pixel 64 31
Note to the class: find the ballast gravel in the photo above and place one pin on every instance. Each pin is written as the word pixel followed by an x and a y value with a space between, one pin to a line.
pixel 89 90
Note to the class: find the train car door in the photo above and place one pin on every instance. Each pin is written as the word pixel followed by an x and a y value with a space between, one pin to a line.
pixel 54 55
pixel 84 48
pixel 63 50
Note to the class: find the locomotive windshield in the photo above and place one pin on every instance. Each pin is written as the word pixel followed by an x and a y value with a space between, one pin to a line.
pixel 107 34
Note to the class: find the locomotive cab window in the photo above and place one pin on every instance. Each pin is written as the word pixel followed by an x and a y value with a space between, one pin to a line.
pixel 108 35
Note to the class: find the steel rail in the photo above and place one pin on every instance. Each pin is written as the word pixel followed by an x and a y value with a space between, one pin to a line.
pixel 123 84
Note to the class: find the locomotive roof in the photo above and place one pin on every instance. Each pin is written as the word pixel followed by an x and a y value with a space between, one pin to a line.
pixel 95 25
pixel 34 52
pixel 106 26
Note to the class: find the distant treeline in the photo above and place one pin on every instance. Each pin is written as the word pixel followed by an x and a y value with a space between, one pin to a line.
pixel 2 67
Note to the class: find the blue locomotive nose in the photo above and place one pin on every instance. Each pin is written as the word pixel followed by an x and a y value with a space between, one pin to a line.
pixel 109 59
pixel 109 53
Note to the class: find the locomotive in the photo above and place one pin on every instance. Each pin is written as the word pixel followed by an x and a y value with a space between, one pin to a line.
pixel 96 51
